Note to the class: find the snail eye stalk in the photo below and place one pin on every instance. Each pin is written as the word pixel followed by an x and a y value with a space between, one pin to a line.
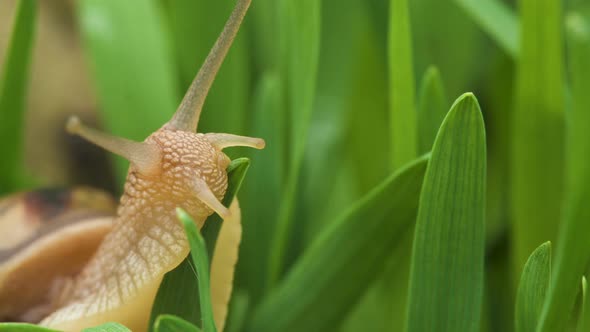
pixel 222 141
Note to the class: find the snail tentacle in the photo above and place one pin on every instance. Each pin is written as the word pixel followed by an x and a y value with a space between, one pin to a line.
pixel 205 195
pixel 222 141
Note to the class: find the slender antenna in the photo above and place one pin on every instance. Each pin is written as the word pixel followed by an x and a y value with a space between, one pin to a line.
pixel 145 157
pixel 187 115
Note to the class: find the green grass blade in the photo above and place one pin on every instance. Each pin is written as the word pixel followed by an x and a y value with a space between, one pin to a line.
pixel 572 251
pixel 200 260
pixel 178 292
pixel 402 90
pixel 432 108
pixel 261 202
pixel 348 255
pixel 446 278
pixel 131 65
pixel 170 323
pixel 582 325
pixel 532 289
pixel 301 34
pixel 13 91
pixel 107 327
pixel 537 131
pixel 497 20
pixel 23 327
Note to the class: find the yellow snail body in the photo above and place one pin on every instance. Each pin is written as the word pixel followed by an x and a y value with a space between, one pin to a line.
pixel 173 167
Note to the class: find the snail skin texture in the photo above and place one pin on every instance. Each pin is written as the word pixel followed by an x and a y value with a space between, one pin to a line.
pixel 173 167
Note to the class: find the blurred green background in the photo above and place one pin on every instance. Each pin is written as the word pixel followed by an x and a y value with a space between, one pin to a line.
pixel 320 81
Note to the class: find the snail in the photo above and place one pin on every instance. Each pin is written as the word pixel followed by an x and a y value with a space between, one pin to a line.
pixel 173 167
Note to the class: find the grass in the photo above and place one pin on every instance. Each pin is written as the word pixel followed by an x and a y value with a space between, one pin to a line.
pixel 376 205
pixel 13 91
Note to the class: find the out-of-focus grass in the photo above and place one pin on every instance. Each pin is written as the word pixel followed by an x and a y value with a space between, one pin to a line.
pixel 573 252
pixel 404 139
pixel 330 86
pixel 131 62
pixel 13 91
pixel 537 129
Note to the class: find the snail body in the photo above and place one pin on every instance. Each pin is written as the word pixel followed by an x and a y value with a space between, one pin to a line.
pixel 173 167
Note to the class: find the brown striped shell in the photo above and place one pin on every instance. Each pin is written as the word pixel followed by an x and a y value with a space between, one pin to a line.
pixel 37 230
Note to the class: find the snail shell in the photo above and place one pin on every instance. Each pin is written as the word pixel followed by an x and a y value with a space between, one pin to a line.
pixel 37 230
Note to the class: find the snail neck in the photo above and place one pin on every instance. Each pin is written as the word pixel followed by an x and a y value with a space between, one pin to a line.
pixel 146 241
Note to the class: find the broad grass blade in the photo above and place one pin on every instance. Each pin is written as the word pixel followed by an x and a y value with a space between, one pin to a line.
pixel 446 278
pixel 532 289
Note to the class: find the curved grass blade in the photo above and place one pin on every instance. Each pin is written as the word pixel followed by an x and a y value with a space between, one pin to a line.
pixel 572 251
pixel 532 289
pixel 432 108
pixel 201 263
pixel 495 18
pixel 107 327
pixel 402 90
pixel 170 323
pixel 582 325
pixel 537 131
pixel 178 292
pixel 344 259
pixel 446 278
pixel 132 68
pixel 13 91
pixel 23 327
